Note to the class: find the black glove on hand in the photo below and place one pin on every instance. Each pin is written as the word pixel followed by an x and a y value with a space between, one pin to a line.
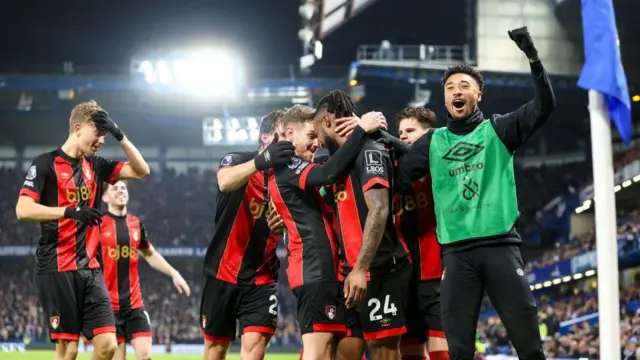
pixel 522 38
pixel 278 153
pixel 84 214
pixel 105 124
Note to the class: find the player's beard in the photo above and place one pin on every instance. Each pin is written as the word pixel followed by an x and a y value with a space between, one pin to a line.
pixel 332 145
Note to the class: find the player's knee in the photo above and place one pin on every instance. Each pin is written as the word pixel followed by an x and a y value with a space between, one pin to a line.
pixel 143 354
pixel 105 349
pixel 70 353
pixel 215 350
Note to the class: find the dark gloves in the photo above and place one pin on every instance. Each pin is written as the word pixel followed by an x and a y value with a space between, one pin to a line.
pixel 392 142
pixel 278 153
pixel 522 38
pixel 84 214
pixel 105 124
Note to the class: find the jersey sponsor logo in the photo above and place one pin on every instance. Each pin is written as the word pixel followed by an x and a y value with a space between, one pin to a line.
pixel 258 208
pixel 82 193
pixel 122 252
pixel 463 151
pixel 330 311
pixel 402 203
pixel 54 321
pixel 470 188
pixel 28 183
pixel 373 162
pixel 341 193
pixel 31 174
pixel 226 161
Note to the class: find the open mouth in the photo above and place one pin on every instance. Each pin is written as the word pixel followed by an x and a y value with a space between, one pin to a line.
pixel 458 103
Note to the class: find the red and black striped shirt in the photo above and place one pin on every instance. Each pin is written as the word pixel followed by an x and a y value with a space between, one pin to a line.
pixel 57 180
pixel 415 222
pixel 243 249
pixel 120 239
pixel 372 168
pixel 312 245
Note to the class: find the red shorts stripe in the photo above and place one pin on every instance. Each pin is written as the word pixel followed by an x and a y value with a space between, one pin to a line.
pixel 104 329
pixel 216 339
pixel 375 335
pixel 30 193
pixel 329 328
pixel 65 336
pixel 259 329
pixel 436 334
pixel 120 340
pixel 148 334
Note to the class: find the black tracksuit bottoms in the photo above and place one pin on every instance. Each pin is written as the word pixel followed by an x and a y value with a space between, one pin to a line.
pixel 499 270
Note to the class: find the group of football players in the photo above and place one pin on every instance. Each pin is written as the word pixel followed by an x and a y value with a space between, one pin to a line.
pixel 356 206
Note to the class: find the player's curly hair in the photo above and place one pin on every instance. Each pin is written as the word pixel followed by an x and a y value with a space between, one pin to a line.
pixel 464 69
pixel 426 117
pixel 338 103
pixel 82 113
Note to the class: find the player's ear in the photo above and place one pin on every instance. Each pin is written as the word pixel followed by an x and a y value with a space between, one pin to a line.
pixel 327 121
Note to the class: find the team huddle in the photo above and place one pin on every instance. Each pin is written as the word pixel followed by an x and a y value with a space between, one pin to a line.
pixel 352 258
pixel 377 230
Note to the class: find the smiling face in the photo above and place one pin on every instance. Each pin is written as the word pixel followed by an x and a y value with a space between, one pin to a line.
pixel 461 94
pixel 117 194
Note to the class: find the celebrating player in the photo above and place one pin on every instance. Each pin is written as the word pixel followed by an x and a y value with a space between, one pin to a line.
pixel 121 236
pixel 471 164
pixel 240 264
pixel 62 192
pixel 312 244
pixel 416 223
pixel 375 262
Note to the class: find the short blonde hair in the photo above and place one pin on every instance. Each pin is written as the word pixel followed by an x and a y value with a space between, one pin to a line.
pixel 297 114
pixel 82 113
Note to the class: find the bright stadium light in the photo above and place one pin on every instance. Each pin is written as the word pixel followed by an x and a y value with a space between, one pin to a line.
pixel 208 73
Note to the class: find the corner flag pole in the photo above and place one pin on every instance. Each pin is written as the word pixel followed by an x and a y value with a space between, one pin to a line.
pixel 603 75
pixel 606 229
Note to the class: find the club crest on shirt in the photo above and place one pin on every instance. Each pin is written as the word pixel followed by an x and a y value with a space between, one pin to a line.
pixel 136 236
pixel 204 321
pixel 87 173
pixel 54 321
pixel 32 173
pixel 330 311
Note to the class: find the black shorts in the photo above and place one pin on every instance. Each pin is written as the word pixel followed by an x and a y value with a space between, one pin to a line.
pixel 352 319
pixel 131 324
pixel 254 308
pixel 383 310
pixel 320 308
pixel 424 309
pixel 75 302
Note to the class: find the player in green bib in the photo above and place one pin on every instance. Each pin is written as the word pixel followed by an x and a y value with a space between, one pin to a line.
pixel 474 191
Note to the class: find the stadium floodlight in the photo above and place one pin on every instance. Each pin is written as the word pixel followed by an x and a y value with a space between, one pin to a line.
pixel 200 72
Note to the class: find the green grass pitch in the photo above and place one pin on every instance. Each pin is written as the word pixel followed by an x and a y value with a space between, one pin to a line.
pixel 48 355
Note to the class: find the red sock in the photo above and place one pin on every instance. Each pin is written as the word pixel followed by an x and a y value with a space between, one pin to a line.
pixel 439 355
pixel 300 355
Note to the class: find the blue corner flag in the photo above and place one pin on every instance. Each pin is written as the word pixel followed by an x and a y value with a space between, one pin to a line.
pixel 602 70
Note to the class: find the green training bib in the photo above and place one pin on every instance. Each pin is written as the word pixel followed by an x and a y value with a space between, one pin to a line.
pixel 474 189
